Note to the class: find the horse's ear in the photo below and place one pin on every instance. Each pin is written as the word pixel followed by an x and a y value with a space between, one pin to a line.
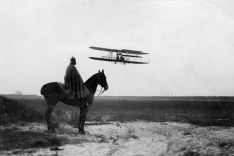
pixel 99 71
pixel 103 71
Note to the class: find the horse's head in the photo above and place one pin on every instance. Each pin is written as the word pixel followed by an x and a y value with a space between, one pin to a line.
pixel 102 80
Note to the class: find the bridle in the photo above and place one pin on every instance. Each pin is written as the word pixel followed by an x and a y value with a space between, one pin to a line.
pixel 102 90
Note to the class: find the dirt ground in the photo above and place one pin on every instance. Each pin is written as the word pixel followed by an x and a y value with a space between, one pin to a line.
pixel 134 139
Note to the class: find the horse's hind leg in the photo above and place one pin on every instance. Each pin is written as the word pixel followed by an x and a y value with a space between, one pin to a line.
pixel 49 111
pixel 51 103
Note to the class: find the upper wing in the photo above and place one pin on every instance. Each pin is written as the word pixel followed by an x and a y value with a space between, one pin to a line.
pixel 104 49
pixel 132 52
pixel 121 51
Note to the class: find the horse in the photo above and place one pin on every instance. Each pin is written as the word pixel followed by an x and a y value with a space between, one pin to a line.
pixel 53 93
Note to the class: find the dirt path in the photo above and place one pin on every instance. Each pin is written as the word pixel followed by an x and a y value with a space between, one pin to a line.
pixel 136 139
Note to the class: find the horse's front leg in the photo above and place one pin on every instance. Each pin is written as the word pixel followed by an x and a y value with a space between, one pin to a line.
pixel 83 113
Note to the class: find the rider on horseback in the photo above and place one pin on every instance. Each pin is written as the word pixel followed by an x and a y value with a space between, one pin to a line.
pixel 74 82
pixel 82 96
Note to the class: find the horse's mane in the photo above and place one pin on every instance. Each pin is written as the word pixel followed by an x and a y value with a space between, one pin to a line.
pixel 91 81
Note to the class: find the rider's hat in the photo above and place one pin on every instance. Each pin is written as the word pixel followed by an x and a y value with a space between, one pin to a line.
pixel 73 59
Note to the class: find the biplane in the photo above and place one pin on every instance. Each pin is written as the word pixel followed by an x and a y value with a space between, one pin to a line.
pixel 120 55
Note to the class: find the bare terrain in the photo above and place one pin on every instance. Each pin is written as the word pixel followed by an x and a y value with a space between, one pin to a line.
pixel 131 139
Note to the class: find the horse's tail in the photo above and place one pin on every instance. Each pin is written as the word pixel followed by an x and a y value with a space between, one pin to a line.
pixel 50 88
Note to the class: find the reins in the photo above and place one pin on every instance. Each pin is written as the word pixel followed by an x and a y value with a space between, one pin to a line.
pixel 102 90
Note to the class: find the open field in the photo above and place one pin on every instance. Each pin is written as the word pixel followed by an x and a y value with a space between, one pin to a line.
pixel 196 110
pixel 120 126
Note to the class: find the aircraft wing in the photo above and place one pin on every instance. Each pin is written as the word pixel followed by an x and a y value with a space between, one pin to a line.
pixel 112 60
pixel 104 49
pixel 121 51
pixel 133 52
pixel 132 56
pixel 135 62
pixel 102 59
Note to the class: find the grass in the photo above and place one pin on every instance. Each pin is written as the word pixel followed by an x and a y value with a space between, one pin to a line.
pixel 130 133
pixel 195 112
pixel 12 139
pixel 195 145
pixel 204 112
pixel 12 111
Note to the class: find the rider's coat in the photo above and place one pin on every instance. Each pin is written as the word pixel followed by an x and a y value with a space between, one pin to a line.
pixel 74 82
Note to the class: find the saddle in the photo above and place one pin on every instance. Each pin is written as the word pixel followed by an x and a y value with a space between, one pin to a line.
pixel 67 91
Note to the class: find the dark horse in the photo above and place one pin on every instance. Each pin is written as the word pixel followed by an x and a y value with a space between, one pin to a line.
pixel 53 93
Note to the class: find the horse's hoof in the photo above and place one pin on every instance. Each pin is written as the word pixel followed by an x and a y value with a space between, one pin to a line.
pixel 82 132
pixel 51 130
pixel 54 125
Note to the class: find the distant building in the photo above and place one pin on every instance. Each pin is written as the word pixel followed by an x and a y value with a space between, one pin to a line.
pixel 18 92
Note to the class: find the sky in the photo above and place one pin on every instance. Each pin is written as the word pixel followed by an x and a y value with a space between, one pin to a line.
pixel 191 44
